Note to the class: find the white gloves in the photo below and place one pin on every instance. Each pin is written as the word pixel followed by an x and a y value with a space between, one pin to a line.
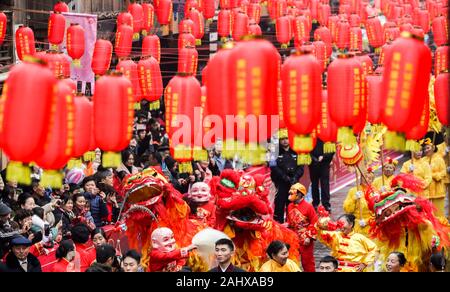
pixel 362 223
pixel 359 194
pixel 411 167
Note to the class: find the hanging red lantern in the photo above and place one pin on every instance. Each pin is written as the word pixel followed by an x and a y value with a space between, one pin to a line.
pixel 199 25
pixel 366 63
pixel 419 130
pixel 75 43
pixel 254 12
pixel 327 129
pixel 190 4
pixel 150 80
pixel 25 44
pixel 374 85
pixel 280 9
pixel 240 26
pixel 344 94
pixel 374 32
pixel 333 21
pixel 254 29
pixel 441 59
pixel 83 125
pixel 301 31
pixel 307 13
pixel 56 29
pixel 66 65
pixel 283 31
pixel 405 86
pixel 61 7
pixel 406 27
pixel 29 91
pixel 185 40
pixel 324 34
pixel 313 6
pixel 383 51
pixel 355 36
pixel 71 83
pixel 323 14
pixel 418 31
pixel 124 41
pixel 113 116
pixel 440 30
pixel 186 26
pixel 101 60
pixel 54 62
pixel 224 24
pixel 344 9
pixel 3 24
pixel 137 11
pixel 182 97
pixel 60 138
pixel 441 97
pixel 125 18
pixel 320 52
pixel 343 35
pixel 164 13
pixel 228 4
pixel 188 60
pixel 301 90
pixel 149 18
pixel 151 46
pixel 129 69
pixel 354 20
pixel 391 31
pixel 209 8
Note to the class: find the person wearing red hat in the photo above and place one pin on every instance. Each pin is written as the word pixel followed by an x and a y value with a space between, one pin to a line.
pixel 301 218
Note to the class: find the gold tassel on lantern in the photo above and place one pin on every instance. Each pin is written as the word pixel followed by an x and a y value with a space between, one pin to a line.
pixel 137 106
pixel 73 163
pixel 17 172
pixel 304 159
pixel 412 145
pixel 394 141
pixel 200 154
pixel 111 159
pixel 156 105
pixel 185 167
pixel 89 156
pixel 329 147
pixel 346 136
pixel 52 179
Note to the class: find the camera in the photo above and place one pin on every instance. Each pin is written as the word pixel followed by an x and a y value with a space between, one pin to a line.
pixel 46 230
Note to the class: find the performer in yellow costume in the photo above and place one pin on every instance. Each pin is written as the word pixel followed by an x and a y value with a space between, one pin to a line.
pixel 383 182
pixel 356 204
pixel 438 174
pixel 420 169
pixel 354 251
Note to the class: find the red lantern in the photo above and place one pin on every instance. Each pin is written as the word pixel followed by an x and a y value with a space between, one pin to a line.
pixel 129 69
pixel 307 13
pixel 25 45
pixel 440 30
pixel 185 40
pixel 419 130
pixel 149 18
pixel 150 80
pixel 254 29
pixel 301 31
pixel 327 129
pixel 188 60
pixel 366 63
pixel 190 4
pixel 374 32
pixel 66 65
pixel 75 43
pixel 418 31
pixel 405 85
pixel 56 29
pixel 406 27
pixel 324 34
pixel 224 23
pixel 182 99
pixel 355 39
pixel 391 31
pixel 333 21
pixel 301 88
pixel 164 11
pixel 280 9
pixel 441 60
pixel 28 92
pixel 71 83
pixel 3 24
pixel 374 86
pixel 209 8
pixel 186 26
pixel 283 31
pixel 101 59
pixel 441 97
pixel 151 46
pixel 61 7
pixel 383 51
pixel 137 11
pixel 354 20
pixel 54 62
pixel 240 26
pixel 125 18
pixel 323 14
pixel 113 116
pixel 320 52
pixel 124 41
pixel 254 12
pixel 343 35
pixel 344 9
pixel 344 94
pixel 199 22
pixel 228 4
pixel 60 137
pixel 83 125
pixel 314 4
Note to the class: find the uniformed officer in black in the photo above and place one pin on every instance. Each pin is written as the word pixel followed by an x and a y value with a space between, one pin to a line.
pixel 284 173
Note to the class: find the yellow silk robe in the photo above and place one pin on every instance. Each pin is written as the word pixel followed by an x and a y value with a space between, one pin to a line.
pixel 359 208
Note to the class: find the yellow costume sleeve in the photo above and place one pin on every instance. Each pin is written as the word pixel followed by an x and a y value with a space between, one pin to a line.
pixel 405 167
pixel 438 171
pixel 292 266
pixel 372 250
pixel 350 202
pixel 266 267
pixel 426 170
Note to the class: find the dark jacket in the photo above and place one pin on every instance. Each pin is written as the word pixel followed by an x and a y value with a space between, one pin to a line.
pixel 317 152
pixel 99 268
pixel 230 269
pixel 7 232
pixel 34 266
pixel 98 208
pixel 286 170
